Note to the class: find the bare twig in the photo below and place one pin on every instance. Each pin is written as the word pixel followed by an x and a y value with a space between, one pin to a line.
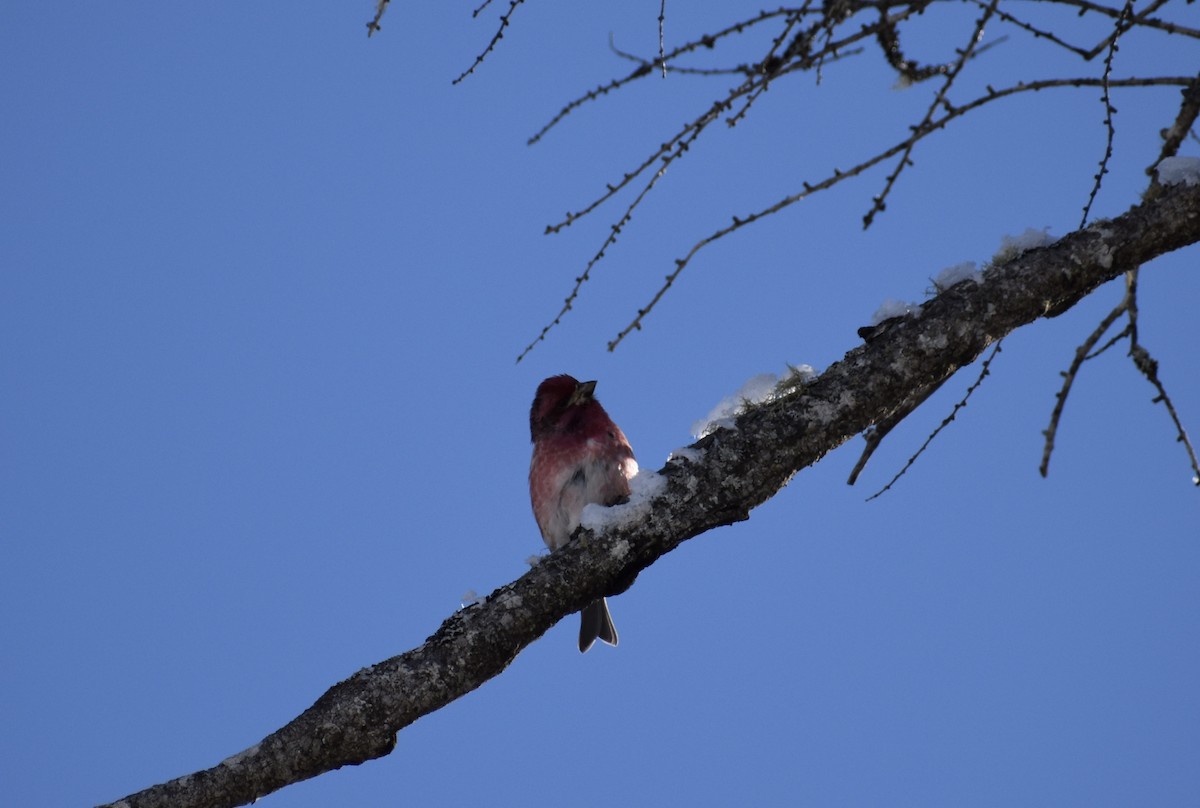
pixel 1082 354
pixel 1142 360
pixel 1149 368
pixel 1038 33
pixel 1137 19
pixel 644 65
pixel 791 49
pixel 755 78
pixel 874 435
pixel 879 203
pixel 1173 135
pixel 662 20
pixel 373 25
pixel 983 374
pixel 1113 340
pixel 679 148
pixel 644 68
pixel 838 176
pixel 1120 27
pixel 504 20
pixel 769 66
pixel 664 157
pixel 910 71
pixel 1140 20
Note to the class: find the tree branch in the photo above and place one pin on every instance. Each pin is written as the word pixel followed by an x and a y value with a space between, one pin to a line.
pixel 727 474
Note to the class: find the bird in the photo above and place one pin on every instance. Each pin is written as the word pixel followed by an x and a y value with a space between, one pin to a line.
pixel 580 456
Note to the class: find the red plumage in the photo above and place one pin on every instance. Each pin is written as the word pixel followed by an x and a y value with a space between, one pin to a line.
pixel 579 457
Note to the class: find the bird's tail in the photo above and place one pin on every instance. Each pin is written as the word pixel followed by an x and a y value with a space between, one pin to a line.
pixel 596 624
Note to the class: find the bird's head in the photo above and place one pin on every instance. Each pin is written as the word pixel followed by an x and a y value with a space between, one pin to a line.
pixel 554 400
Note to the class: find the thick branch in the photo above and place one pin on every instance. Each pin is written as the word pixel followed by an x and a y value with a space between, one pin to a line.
pixel 728 473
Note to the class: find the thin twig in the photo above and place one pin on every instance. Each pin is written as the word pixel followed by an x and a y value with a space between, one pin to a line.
pixel 983 374
pixel 1120 27
pixel 1149 368
pixel 662 20
pixel 874 435
pixel 1116 33
pixel 879 203
pixel 838 176
pixel 664 156
pixel 1113 340
pixel 679 149
pixel 768 67
pixel 910 71
pixel 373 25
pixel 1038 33
pixel 643 65
pixel 1173 135
pixel 644 68
pixel 1082 354
pixel 1140 20
pixel 753 81
pixel 504 20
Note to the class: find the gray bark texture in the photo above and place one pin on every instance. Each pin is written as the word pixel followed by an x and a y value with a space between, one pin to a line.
pixel 726 474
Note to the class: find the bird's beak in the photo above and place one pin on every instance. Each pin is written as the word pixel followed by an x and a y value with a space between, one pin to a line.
pixel 583 393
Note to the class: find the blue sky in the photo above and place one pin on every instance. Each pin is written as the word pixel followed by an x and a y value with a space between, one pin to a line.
pixel 262 285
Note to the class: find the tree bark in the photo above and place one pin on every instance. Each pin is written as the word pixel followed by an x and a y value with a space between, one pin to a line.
pixel 726 474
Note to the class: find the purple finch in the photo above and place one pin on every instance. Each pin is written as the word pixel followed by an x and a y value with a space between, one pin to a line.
pixel 579 457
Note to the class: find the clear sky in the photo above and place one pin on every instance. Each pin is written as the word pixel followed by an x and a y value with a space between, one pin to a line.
pixel 262 285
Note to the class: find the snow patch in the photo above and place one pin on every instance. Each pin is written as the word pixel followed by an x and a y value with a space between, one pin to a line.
pixel 643 488
pixel 1176 170
pixel 757 390
pixel 685 453
pixel 1012 246
pixel 236 760
pixel 893 308
pixel 966 271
